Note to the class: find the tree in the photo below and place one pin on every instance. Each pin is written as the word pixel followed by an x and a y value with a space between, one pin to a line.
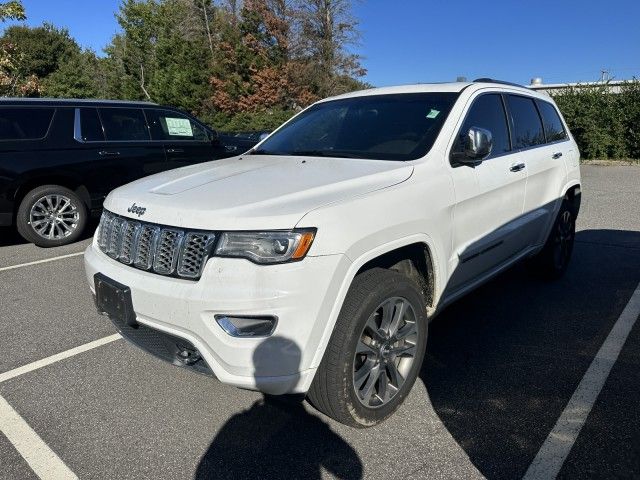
pixel 77 77
pixel 328 30
pixel 41 49
pixel 163 52
pixel 12 11
pixel 14 81
pixel 237 64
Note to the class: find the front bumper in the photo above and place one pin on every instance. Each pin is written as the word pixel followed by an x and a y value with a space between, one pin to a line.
pixel 301 295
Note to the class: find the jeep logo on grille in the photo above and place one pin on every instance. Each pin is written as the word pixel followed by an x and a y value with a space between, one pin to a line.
pixel 136 210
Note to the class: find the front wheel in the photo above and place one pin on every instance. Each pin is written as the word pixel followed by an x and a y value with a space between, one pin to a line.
pixel 50 216
pixel 375 352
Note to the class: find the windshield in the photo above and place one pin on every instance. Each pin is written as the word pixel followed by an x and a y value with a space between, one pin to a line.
pixel 382 127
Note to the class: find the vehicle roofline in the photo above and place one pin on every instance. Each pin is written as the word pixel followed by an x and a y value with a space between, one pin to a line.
pixel 74 101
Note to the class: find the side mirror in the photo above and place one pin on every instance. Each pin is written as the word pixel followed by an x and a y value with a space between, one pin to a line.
pixel 476 145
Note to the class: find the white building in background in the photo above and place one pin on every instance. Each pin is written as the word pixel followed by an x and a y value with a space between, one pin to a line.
pixel 555 88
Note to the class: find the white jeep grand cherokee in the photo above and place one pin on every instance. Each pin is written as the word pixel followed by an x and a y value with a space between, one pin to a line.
pixel 314 262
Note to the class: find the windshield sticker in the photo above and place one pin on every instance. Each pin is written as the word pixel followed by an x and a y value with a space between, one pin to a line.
pixel 433 113
pixel 179 127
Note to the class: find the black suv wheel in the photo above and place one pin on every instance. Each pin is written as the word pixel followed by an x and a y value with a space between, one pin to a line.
pixel 50 216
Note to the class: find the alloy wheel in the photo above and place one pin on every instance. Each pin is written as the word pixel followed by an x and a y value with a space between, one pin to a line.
pixel 385 352
pixel 54 217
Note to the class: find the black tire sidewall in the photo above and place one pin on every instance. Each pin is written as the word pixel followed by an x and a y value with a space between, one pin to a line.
pixel 545 261
pixel 394 285
pixel 22 217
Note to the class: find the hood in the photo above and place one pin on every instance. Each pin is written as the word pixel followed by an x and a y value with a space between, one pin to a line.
pixel 251 192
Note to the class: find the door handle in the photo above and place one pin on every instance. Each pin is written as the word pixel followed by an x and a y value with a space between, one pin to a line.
pixel 175 150
pixel 556 155
pixel 516 167
pixel 105 153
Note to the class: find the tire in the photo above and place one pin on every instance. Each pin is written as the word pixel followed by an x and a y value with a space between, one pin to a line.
pixel 340 386
pixel 51 216
pixel 553 260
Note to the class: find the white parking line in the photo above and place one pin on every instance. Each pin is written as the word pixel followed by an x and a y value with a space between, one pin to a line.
pixel 53 259
pixel 556 448
pixel 42 460
pixel 57 357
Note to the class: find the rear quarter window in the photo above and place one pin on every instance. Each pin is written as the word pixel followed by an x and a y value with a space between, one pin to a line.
pixel 24 123
pixel 553 127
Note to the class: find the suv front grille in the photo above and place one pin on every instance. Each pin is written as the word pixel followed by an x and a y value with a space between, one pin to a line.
pixel 155 248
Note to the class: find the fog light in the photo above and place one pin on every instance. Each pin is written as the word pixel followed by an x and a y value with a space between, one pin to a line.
pixel 250 326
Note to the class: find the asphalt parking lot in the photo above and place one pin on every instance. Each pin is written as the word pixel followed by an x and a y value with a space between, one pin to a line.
pixel 501 366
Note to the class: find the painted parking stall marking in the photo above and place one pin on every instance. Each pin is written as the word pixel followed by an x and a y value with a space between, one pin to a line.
pixel 46 260
pixel 556 448
pixel 40 458
pixel 57 357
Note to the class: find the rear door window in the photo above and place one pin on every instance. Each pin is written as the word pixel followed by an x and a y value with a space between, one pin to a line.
pixel 170 125
pixel 90 125
pixel 553 128
pixel 488 112
pixel 527 128
pixel 124 124
pixel 28 123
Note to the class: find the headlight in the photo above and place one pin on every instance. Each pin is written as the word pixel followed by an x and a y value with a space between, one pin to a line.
pixel 266 247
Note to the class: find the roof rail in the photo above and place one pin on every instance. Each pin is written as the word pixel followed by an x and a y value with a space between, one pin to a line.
pixel 501 82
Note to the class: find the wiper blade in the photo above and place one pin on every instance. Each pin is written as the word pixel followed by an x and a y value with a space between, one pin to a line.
pixel 325 153
pixel 261 151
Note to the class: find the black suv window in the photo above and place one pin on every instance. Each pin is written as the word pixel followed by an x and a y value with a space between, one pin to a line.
pixel 170 125
pixel 124 124
pixel 90 126
pixel 488 112
pixel 527 127
pixel 29 123
pixel 553 128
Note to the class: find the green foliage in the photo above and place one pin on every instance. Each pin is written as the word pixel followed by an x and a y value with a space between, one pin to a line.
pixel 12 11
pixel 75 78
pixel 237 65
pixel 247 121
pixel 605 124
pixel 42 49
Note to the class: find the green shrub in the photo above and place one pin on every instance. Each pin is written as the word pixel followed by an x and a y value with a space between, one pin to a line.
pixel 605 124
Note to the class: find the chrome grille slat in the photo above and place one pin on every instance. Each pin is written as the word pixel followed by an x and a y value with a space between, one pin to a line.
pixel 104 230
pixel 194 253
pixel 115 234
pixel 166 253
pixel 145 247
pixel 158 249
pixel 127 245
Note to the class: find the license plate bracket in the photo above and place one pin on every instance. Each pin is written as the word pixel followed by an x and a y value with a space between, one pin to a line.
pixel 114 299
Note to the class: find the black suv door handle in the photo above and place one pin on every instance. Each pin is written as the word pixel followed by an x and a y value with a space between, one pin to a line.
pixel 516 167
pixel 556 155
pixel 175 150
pixel 107 152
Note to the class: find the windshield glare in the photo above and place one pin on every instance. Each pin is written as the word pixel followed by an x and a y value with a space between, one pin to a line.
pixel 381 127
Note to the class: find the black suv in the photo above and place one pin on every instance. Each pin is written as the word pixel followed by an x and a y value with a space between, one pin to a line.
pixel 60 158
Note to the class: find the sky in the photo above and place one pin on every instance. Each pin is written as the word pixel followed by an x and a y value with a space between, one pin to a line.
pixel 414 41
